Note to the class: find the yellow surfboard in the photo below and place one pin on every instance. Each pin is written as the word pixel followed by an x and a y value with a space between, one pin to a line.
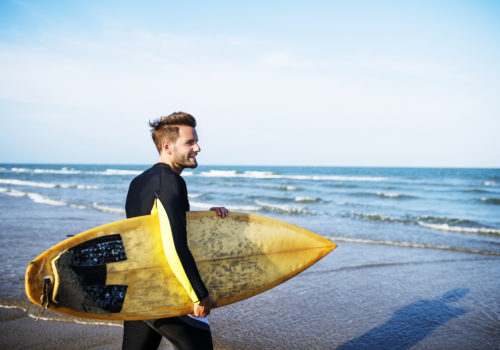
pixel 119 271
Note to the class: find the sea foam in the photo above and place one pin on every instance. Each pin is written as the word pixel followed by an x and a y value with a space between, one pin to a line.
pixel 460 229
pixel 412 245
pixel 63 171
pixel 16 182
pixel 271 175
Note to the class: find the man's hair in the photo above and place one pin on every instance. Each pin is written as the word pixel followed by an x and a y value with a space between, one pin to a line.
pixel 167 127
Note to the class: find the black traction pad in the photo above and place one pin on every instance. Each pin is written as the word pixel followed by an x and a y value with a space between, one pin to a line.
pixel 82 275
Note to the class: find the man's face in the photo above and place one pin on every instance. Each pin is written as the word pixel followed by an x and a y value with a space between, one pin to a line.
pixel 185 148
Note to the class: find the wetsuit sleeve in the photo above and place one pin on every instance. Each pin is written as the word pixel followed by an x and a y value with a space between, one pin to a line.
pixel 170 251
pixel 175 203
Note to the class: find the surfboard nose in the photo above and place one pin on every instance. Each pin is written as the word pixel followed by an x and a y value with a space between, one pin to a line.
pixel 37 275
pixel 329 246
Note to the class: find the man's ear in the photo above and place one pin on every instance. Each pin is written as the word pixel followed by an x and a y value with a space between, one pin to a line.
pixel 166 146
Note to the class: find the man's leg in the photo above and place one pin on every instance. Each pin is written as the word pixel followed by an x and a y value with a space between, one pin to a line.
pixel 184 332
pixel 137 335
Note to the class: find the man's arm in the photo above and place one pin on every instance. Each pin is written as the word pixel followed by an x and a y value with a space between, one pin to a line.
pixel 173 196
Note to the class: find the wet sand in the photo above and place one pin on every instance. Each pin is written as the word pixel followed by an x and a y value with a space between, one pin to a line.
pixel 358 297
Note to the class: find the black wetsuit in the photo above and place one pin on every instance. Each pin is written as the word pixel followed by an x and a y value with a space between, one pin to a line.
pixel 183 332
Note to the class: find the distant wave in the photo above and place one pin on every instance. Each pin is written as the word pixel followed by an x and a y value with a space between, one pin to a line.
pixel 460 229
pixel 341 185
pixel 285 199
pixel 64 171
pixel 389 195
pixel 113 172
pixel 394 195
pixel 281 199
pixel 376 217
pixel 490 183
pixel 234 173
pixel 71 171
pixel 282 208
pixel 106 209
pixel 260 207
pixel 413 245
pixel 27 183
pixel 16 182
pixel 431 222
pixel 20 170
pixel 454 225
pixel 271 175
pixel 475 190
pixel 35 197
pixel 487 200
pixel 210 173
pixel 207 206
pixel 41 199
pixel 307 199
pixel 286 188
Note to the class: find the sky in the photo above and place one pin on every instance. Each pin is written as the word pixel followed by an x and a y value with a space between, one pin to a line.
pixel 313 83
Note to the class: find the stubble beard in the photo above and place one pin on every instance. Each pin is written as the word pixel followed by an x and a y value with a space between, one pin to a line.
pixel 187 162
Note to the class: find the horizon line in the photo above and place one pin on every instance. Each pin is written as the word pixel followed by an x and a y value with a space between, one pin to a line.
pixel 264 165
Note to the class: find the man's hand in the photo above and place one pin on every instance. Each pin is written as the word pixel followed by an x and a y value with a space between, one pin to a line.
pixel 221 211
pixel 203 308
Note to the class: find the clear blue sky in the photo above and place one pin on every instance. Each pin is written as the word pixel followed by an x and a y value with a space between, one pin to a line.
pixel 369 83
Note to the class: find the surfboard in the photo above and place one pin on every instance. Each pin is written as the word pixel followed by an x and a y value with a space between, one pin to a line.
pixel 119 271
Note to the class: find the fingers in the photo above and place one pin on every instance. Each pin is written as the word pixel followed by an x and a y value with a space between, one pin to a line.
pixel 203 308
pixel 201 311
pixel 221 211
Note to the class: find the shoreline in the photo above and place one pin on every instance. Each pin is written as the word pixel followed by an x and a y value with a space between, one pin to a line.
pixel 356 297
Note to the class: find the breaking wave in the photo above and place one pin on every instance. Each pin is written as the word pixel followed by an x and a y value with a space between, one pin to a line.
pixel 307 199
pixel 41 199
pixel 390 195
pixel 271 175
pixel 460 229
pixel 207 206
pixel 413 245
pixel 71 171
pixel 431 222
pixel 487 200
pixel 282 208
pixel 15 182
pixel 115 172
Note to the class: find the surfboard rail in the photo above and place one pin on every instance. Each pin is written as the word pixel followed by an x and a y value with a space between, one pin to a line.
pixel 119 271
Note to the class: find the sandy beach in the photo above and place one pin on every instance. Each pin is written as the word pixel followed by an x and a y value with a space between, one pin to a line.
pixel 358 297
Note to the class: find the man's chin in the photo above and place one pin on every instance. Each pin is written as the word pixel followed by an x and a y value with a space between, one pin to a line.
pixel 192 165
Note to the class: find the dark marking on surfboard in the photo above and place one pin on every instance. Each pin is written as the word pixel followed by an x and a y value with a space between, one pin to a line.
pixel 90 275
pixel 108 297
pixel 99 251
pixel 82 273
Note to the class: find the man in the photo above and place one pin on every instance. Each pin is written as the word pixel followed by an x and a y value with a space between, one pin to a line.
pixel 176 139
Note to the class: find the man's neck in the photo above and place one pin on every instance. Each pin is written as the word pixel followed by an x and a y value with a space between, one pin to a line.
pixel 175 169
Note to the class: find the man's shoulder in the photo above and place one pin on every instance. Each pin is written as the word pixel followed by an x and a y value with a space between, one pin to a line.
pixel 157 171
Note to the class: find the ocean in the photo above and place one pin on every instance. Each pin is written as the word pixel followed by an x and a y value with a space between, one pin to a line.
pixel 423 210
